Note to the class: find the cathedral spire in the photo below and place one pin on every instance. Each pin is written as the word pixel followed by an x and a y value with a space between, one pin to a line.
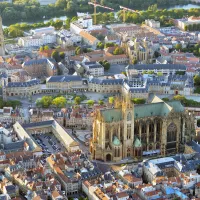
pixel 2 47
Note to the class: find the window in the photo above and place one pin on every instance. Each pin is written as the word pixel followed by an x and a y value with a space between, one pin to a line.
pixel 129 117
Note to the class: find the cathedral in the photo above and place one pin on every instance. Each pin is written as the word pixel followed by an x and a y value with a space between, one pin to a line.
pixel 136 131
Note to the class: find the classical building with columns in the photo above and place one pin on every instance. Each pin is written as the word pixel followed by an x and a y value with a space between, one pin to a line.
pixel 128 130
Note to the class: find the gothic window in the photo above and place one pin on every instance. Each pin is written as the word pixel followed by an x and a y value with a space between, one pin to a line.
pixel 136 129
pixel 171 132
pixel 128 152
pixel 115 152
pixel 151 127
pixel 129 117
pixel 107 135
pixel 128 131
pixel 121 133
pixel 143 128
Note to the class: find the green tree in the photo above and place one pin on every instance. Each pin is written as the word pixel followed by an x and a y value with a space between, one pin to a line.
pixel 59 102
pixel 111 100
pixel 67 23
pixel 178 46
pixel 62 55
pixel 105 64
pixel 151 72
pixel 109 44
pixel 197 79
pixel 78 50
pixel 77 100
pixel 46 47
pixel 134 61
pixel 101 102
pixel 61 3
pixel 100 45
pixel 124 73
pixel 160 74
pixel 179 98
pixel 55 55
pixel 118 51
pixel 41 48
pixel 90 102
pixel 138 101
pixel 165 99
pixel 46 101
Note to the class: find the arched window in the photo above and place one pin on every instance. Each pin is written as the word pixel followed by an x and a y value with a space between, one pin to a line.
pixel 107 135
pixel 129 117
pixel 171 133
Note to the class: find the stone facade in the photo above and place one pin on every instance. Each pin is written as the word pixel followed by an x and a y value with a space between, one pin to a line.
pixel 141 51
pixel 137 130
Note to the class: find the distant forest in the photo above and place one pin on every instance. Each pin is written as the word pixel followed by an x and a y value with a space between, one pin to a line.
pixel 24 10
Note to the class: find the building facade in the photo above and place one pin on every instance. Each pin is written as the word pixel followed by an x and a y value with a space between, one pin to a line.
pixel 136 131
pixel 141 51
pixel 40 67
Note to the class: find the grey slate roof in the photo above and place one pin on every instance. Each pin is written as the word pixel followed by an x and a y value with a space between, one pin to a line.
pixel 14 145
pixel 157 66
pixel 24 84
pixel 194 146
pixel 43 123
pixel 92 65
pixel 49 61
pixel 64 78
pixel 106 81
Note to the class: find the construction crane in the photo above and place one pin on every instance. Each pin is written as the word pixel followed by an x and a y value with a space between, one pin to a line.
pixel 124 12
pixel 95 4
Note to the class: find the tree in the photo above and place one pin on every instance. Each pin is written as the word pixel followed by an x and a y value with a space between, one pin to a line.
pixel 179 98
pixel 41 48
pixel 59 102
pixel 138 101
pixel 134 61
pixel 55 55
pixel 111 100
pixel 124 73
pixel 105 64
pixel 160 74
pixel 90 102
pixel 100 45
pixel 197 79
pixel 77 100
pixel 78 50
pixel 118 51
pixel 151 72
pixel 178 46
pixel 61 3
pixel 46 47
pixel 62 55
pixel 45 101
pixel 67 23
pixel 165 99
pixel 101 102
pixel 109 44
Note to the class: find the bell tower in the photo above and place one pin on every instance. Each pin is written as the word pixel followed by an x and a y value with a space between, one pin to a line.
pixel 128 120
pixel 2 46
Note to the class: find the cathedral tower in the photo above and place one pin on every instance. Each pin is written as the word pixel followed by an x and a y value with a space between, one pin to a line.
pixel 2 47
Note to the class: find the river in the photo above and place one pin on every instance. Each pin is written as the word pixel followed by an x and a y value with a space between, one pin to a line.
pixel 65 17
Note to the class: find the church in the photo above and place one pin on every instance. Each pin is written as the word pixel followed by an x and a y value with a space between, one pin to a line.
pixel 136 131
